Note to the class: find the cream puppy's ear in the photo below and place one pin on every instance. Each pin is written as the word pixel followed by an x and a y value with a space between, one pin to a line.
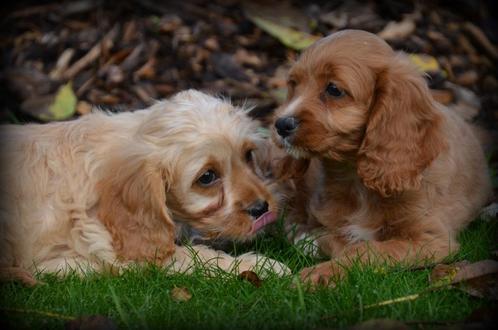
pixel 132 206
pixel 403 134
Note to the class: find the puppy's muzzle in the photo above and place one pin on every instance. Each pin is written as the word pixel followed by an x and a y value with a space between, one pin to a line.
pixel 257 209
pixel 286 126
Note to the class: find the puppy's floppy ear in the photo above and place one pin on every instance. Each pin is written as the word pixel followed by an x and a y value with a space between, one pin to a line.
pixel 132 206
pixel 403 134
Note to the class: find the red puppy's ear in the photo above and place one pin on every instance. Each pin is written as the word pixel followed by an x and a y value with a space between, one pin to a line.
pixel 132 206
pixel 403 134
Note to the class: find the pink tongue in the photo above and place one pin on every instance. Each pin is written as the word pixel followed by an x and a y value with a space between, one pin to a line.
pixel 262 221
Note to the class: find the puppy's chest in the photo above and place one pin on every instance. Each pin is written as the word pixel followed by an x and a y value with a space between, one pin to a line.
pixel 346 213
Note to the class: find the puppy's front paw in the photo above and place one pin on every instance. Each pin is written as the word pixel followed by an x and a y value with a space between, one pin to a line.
pixel 306 238
pixel 324 274
pixel 21 275
pixel 261 265
pixel 308 243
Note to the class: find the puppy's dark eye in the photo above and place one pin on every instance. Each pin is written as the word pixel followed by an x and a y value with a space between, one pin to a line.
pixel 334 91
pixel 248 156
pixel 207 178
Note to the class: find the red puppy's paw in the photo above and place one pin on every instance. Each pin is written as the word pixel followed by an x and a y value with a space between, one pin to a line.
pixel 324 274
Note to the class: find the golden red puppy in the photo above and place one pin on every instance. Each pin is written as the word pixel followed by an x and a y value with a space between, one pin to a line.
pixel 394 175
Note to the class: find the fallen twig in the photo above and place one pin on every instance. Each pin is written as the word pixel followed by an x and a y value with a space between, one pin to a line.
pixel 394 301
pixel 92 54
pixel 481 39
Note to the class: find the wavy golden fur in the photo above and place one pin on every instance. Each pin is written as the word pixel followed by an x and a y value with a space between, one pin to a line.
pixel 116 189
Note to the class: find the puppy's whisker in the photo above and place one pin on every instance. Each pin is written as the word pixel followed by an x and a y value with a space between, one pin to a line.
pixel 129 187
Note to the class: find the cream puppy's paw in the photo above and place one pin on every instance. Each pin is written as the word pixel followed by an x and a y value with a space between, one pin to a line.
pixel 261 265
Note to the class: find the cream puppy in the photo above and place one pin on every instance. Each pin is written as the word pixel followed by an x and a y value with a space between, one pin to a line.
pixel 112 189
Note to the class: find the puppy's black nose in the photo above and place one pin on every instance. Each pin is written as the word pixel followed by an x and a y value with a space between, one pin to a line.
pixel 257 209
pixel 286 126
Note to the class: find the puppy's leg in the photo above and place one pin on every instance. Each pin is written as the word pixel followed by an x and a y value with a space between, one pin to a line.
pixel 186 259
pixel 8 274
pixel 410 252
pixel 77 264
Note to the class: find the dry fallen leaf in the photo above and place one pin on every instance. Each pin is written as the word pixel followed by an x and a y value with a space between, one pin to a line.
pixel 477 279
pixel 83 108
pixel 180 294
pixel 280 12
pixel 482 287
pixel 468 78
pixel 251 277
pixel 463 271
pixel 398 30
pixel 290 37
pixel 425 63
pixel 481 39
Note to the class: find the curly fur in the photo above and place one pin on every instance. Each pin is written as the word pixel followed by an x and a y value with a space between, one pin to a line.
pixel 111 189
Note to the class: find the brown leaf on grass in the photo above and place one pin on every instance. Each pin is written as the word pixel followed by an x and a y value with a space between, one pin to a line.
pixel 462 271
pixel 482 287
pixel 251 277
pixel 93 322
pixel 180 294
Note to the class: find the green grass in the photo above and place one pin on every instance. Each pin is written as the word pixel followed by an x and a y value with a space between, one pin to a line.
pixel 140 298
